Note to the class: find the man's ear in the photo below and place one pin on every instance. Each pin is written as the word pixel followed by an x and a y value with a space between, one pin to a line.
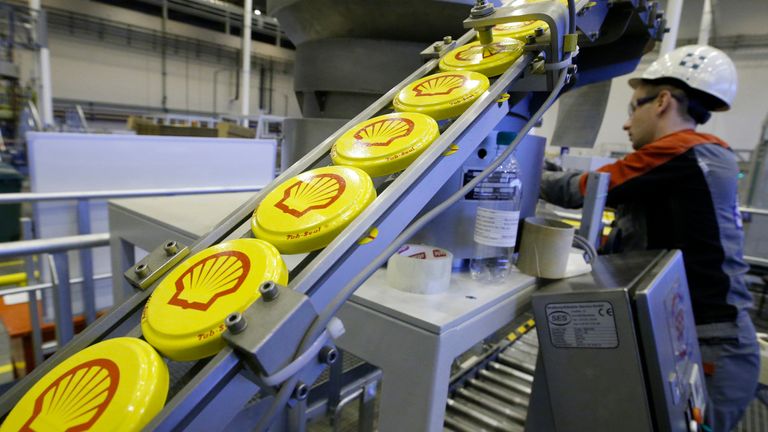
pixel 664 102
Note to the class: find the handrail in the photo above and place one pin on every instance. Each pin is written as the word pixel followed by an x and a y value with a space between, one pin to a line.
pixel 45 286
pixel 753 260
pixel 750 210
pixel 13 198
pixel 52 245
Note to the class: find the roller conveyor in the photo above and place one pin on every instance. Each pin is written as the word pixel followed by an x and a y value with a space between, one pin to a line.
pixel 500 386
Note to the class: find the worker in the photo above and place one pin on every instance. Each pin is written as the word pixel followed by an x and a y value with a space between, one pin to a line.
pixel 678 190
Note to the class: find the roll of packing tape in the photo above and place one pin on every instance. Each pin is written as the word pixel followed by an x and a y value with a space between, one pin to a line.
pixel 762 339
pixel 420 269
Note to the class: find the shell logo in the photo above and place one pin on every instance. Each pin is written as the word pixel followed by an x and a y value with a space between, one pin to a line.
pixel 478 52
pixel 383 132
pixel 76 400
pixel 209 279
pixel 318 192
pixel 440 85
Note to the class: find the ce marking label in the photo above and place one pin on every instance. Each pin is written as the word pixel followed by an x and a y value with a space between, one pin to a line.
pixel 605 311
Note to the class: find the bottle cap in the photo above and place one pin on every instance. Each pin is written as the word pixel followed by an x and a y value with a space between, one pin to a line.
pixel 117 384
pixel 386 144
pixel 490 60
pixel 519 30
pixel 184 317
pixel 442 95
pixel 308 211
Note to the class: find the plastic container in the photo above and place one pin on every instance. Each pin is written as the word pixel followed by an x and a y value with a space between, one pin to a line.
pixel 497 219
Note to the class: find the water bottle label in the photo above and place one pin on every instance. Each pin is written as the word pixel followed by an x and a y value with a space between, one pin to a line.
pixel 496 227
pixel 498 186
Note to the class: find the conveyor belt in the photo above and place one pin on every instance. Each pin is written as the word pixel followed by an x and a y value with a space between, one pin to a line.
pixel 495 396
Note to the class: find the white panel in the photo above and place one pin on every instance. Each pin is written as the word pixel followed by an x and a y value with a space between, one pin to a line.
pixel 91 162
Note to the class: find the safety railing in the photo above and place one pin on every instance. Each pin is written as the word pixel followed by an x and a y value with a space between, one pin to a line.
pixel 57 250
pixel 753 260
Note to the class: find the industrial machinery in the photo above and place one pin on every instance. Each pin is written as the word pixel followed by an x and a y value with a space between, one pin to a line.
pixel 283 341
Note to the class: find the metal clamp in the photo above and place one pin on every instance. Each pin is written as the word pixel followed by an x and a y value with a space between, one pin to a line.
pixel 157 263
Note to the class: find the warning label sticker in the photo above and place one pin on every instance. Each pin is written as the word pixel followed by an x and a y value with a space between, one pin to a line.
pixel 582 325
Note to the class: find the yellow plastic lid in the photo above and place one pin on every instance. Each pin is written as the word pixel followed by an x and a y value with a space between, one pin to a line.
pixel 442 95
pixel 386 144
pixel 184 317
pixel 308 211
pixel 490 60
pixel 116 385
pixel 519 30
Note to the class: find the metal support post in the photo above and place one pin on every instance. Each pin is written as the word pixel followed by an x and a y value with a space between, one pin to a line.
pixel 674 11
pixel 297 416
pixel 335 372
pixel 367 405
pixel 62 297
pixel 86 261
pixel 705 29
pixel 34 313
pixel 594 204
pixel 245 81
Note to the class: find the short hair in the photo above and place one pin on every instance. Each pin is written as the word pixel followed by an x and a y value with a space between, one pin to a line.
pixel 689 107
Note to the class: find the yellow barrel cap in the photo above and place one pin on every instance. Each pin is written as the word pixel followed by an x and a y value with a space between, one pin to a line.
pixel 519 30
pixel 442 95
pixel 184 317
pixel 385 144
pixel 116 385
pixel 490 60
pixel 308 211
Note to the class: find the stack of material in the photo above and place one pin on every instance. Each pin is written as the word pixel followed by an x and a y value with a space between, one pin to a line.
pixel 145 126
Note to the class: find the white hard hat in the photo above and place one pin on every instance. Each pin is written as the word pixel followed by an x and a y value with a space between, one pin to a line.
pixel 707 70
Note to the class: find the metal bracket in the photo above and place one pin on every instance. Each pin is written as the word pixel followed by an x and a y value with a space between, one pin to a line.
pixel 273 327
pixel 144 273
pixel 437 49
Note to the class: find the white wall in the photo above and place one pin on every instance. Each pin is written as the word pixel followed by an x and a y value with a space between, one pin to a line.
pixel 740 127
pixel 86 69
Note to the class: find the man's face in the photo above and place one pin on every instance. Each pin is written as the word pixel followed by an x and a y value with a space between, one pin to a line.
pixel 641 124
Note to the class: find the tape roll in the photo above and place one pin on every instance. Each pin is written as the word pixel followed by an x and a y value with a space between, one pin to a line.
pixel 420 269
pixel 762 339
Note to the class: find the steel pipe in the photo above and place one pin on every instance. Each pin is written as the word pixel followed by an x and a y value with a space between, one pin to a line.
pixel 506 382
pixel 14 198
pixel 492 404
pixel 498 392
pixel 52 245
pixel 750 210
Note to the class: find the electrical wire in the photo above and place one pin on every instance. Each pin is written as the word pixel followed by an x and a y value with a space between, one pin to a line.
pixel 284 394
pixel 331 310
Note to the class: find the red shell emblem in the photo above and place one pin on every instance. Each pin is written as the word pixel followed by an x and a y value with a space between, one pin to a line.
pixel 477 53
pixel 383 132
pixel 317 192
pixel 76 399
pixel 209 279
pixel 440 85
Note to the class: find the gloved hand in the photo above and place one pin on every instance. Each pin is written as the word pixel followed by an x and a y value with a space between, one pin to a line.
pixel 551 165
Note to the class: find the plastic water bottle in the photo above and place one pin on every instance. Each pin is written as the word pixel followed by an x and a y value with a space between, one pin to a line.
pixel 498 215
